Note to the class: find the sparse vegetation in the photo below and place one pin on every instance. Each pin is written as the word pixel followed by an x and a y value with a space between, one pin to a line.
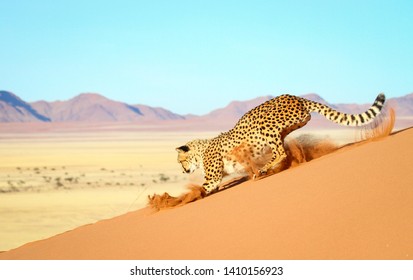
pixel 163 178
pixel 62 170
pixel 59 184
pixel 46 178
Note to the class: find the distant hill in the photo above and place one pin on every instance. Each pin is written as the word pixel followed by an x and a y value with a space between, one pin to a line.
pixel 157 113
pixel 92 107
pixel 317 98
pixel 403 105
pixel 13 109
pixel 87 107
pixel 233 111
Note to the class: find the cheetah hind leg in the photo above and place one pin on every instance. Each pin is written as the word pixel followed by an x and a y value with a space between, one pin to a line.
pixel 277 159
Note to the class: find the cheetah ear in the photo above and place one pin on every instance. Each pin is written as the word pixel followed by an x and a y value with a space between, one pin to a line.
pixel 183 149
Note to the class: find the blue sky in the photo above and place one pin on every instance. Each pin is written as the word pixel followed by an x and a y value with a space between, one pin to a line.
pixel 195 56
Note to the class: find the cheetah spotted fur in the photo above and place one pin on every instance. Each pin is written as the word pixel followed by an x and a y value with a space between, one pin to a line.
pixel 263 127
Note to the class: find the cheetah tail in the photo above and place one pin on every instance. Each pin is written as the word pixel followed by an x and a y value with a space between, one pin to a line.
pixel 349 119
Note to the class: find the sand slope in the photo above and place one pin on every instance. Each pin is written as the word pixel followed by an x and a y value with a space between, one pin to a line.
pixel 356 203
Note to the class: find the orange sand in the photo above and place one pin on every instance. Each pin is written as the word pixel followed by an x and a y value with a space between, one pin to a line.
pixel 355 203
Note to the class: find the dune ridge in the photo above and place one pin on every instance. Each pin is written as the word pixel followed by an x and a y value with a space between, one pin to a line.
pixel 351 204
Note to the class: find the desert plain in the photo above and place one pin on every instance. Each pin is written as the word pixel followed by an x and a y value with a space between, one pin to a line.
pixel 55 181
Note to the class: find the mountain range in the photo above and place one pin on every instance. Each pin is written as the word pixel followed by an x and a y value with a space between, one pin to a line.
pixel 86 107
pixel 92 107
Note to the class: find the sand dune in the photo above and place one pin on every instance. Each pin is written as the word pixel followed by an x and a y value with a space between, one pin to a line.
pixel 355 203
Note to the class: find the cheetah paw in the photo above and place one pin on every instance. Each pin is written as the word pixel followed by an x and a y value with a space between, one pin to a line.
pixel 262 172
pixel 257 175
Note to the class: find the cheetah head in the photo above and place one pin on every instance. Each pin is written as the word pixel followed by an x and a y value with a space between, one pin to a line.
pixel 188 159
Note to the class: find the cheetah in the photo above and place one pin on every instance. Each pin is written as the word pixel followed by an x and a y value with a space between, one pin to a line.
pixel 263 127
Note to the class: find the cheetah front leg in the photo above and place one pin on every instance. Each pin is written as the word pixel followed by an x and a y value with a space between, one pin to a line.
pixel 213 170
pixel 278 156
